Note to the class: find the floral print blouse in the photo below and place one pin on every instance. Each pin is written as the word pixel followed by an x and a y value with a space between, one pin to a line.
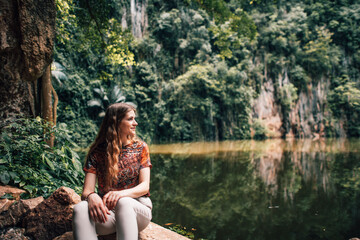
pixel 133 158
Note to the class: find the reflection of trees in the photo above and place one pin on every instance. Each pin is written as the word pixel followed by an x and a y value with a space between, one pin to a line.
pixel 282 164
pixel 346 175
pixel 284 171
pixel 195 191
pixel 245 194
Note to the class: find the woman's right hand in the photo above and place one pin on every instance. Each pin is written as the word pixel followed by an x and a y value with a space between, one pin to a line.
pixel 97 209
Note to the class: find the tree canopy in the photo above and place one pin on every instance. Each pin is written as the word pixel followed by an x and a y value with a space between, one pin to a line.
pixel 199 65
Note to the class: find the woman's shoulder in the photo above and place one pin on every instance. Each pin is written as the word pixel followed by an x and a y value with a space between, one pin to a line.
pixel 139 144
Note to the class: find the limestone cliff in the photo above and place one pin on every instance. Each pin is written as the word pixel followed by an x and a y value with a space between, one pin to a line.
pixel 135 17
pixel 307 117
pixel 27 31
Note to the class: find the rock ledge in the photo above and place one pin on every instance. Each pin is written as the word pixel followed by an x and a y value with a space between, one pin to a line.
pixel 39 219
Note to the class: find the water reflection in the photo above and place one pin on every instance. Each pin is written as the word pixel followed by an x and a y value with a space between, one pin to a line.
pixel 272 189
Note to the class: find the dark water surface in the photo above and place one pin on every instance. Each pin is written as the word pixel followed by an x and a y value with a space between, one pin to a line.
pixel 273 189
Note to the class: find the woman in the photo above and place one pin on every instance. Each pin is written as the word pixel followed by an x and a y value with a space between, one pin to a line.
pixel 121 166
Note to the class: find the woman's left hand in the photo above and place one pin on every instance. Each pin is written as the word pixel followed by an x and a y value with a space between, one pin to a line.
pixel 110 199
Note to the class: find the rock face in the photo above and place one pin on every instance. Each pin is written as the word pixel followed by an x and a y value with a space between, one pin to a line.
pixel 52 217
pixel 136 17
pixel 266 109
pixel 306 118
pixel 65 236
pixel 5 204
pixel 27 31
pixel 154 232
pixel 13 234
pixel 11 211
pixel 37 24
pixel 14 192
pixel 15 213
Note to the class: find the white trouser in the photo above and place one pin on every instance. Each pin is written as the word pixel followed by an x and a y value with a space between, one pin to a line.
pixel 129 217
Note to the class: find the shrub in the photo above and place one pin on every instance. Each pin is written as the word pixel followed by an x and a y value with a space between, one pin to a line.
pixel 26 161
pixel 260 130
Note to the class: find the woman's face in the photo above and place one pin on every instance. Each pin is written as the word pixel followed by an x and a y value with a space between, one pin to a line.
pixel 128 124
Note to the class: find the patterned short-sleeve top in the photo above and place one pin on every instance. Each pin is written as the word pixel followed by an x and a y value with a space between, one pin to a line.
pixel 133 158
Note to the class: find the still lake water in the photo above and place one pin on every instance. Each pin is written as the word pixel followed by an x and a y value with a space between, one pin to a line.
pixel 272 189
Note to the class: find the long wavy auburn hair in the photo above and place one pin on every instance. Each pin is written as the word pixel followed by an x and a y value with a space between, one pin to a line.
pixel 109 135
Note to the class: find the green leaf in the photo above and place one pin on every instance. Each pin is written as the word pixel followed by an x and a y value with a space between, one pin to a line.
pixel 5 178
pixel 7 196
pixel 30 188
pixel 49 163
pixel 95 103
pixel 13 175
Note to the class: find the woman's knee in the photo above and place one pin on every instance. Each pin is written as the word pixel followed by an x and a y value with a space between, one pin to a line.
pixel 124 202
pixel 81 207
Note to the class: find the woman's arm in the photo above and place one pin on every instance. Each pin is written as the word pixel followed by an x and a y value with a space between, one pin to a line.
pixel 110 199
pixel 97 209
pixel 89 185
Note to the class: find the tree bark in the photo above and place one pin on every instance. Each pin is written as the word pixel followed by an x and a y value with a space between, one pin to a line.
pixel 49 101
pixel 46 96
pixel 46 102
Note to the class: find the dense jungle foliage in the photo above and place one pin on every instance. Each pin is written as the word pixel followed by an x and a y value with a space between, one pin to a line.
pixel 193 75
pixel 28 162
pixel 200 64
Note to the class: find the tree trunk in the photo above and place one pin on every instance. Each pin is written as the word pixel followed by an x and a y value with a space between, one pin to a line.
pixel 47 112
pixel 46 96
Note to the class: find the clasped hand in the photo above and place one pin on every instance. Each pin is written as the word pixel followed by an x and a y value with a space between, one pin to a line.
pixel 100 208
pixel 110 199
